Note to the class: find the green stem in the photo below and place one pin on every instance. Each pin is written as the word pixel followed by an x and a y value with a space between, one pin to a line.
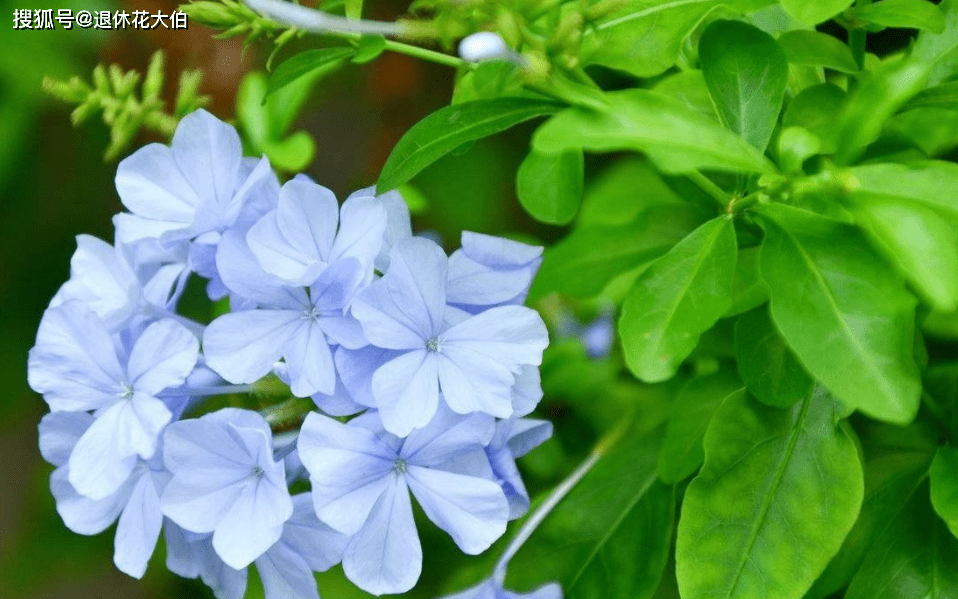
pixel 289 412
pixel 711 189
pixel 857 38
pixel 426 54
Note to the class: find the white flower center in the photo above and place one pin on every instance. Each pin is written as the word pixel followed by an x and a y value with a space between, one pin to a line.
pixel 400 466
pixel 126 391
pixel 434 345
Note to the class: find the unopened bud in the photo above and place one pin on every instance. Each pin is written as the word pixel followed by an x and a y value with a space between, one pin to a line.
pixel 486 45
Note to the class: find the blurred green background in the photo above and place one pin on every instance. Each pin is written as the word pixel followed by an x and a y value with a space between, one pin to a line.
pixel 55 185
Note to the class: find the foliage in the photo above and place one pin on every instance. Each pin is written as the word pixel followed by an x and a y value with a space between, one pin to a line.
pixel 780 242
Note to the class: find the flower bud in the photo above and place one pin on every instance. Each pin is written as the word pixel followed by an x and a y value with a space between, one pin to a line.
pixel 485 45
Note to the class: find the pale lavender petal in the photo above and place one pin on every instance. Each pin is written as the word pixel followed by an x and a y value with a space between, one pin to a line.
pixel 527 391
pixel 74 362
pixel 139 528
pixel 356 369
pixel 310 361
pixel 473 511
pixel 243 346
pixel 527 434
pixel 474 382
pixel 406 390
pixel 163 356
pixel 318 544
pixel 383 322
pixel 285 574
pixel 447 436
pixel 385 555
pixel 59 433
pixel 152 187
pixel 252 524
pixel 513 335
pixel 360 236
pixel 416 282
pixel 81 514
pixel 208 151
pixel 243 276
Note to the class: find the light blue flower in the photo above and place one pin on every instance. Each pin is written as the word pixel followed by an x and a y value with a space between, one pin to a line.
pixel 398 223
pixel 226 482
pixel 77 365
pixel 191 555
pixel 474 360
pixel 135 503
pixel 286 569
pixel 513 439
pixel 491 271
pixel 297 324
pixel 199 184
pixel 490 589
pixel 362 477
pixel 118 283
pixel 193 191
pixel 307 232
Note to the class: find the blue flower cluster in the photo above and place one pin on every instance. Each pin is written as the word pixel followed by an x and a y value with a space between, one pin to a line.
pixel 422 366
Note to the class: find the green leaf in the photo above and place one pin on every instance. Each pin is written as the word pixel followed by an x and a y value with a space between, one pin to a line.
pixel 592 551
pixel 914 237
pixel 817 49
pixel 488 80
pixel 748 290
pixel 368 48
pixel 682 451
pixel 941 49
pixel 779 491
pixel 618 194
pixel 896 463
pixel 689 88
pixel 354 9
pixel 679 297
pixel 293 153
pixel 814 109
pixel 813 13
pixel 879 95
pixel 644 37
pixel 933 183
pixel 915 557
pixel 940 96
pixel 448 128
pixel 794 146
pixel 549 186
pixel 915 14
pixel 305 63
pixel 769 368
pixel 676 138
pixel 746 73
pixel 944 486
pixel 843 310
pixel 586 261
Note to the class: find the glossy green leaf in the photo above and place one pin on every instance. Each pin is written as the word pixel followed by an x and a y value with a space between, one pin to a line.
pixel 941 49
pixel 814 110
pixel 915 238
pixel 916 14
pixel 748 290
pixel 896 462
pixel 448 128
pixel 488 80
pixel 682 451
pixel 304 63
pixel 939 96
pixel 817 49
pixel 618 194
pixel 679 297
pixel 689 88
pixel 594 552
pixel 933 183
pixel 746 73
pixel 879 95
pixel 549 186
pixel 843 310
pixel 643 37
pixel 586 261
pixel 779 491
pixel 813 13
pixel 767 365
pixel 369 48
pixel 676 138
pixel 944 486
pixel 915 557
pixel 794 146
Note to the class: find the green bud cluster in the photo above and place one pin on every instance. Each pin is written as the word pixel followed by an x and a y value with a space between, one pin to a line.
pixel 114 94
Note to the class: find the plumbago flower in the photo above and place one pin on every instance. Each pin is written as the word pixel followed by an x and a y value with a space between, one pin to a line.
pixel 359 360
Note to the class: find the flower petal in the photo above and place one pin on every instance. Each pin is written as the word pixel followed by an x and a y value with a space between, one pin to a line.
pixel 385 556
pixel 472 510
pixel 361 228
pixel 162 357
pixel 252 524
pixel 81 514
pixel 406 390
pixel 310 361
pixel 243 346
pixel 138 529
pixel 59 433
pixel 513 335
